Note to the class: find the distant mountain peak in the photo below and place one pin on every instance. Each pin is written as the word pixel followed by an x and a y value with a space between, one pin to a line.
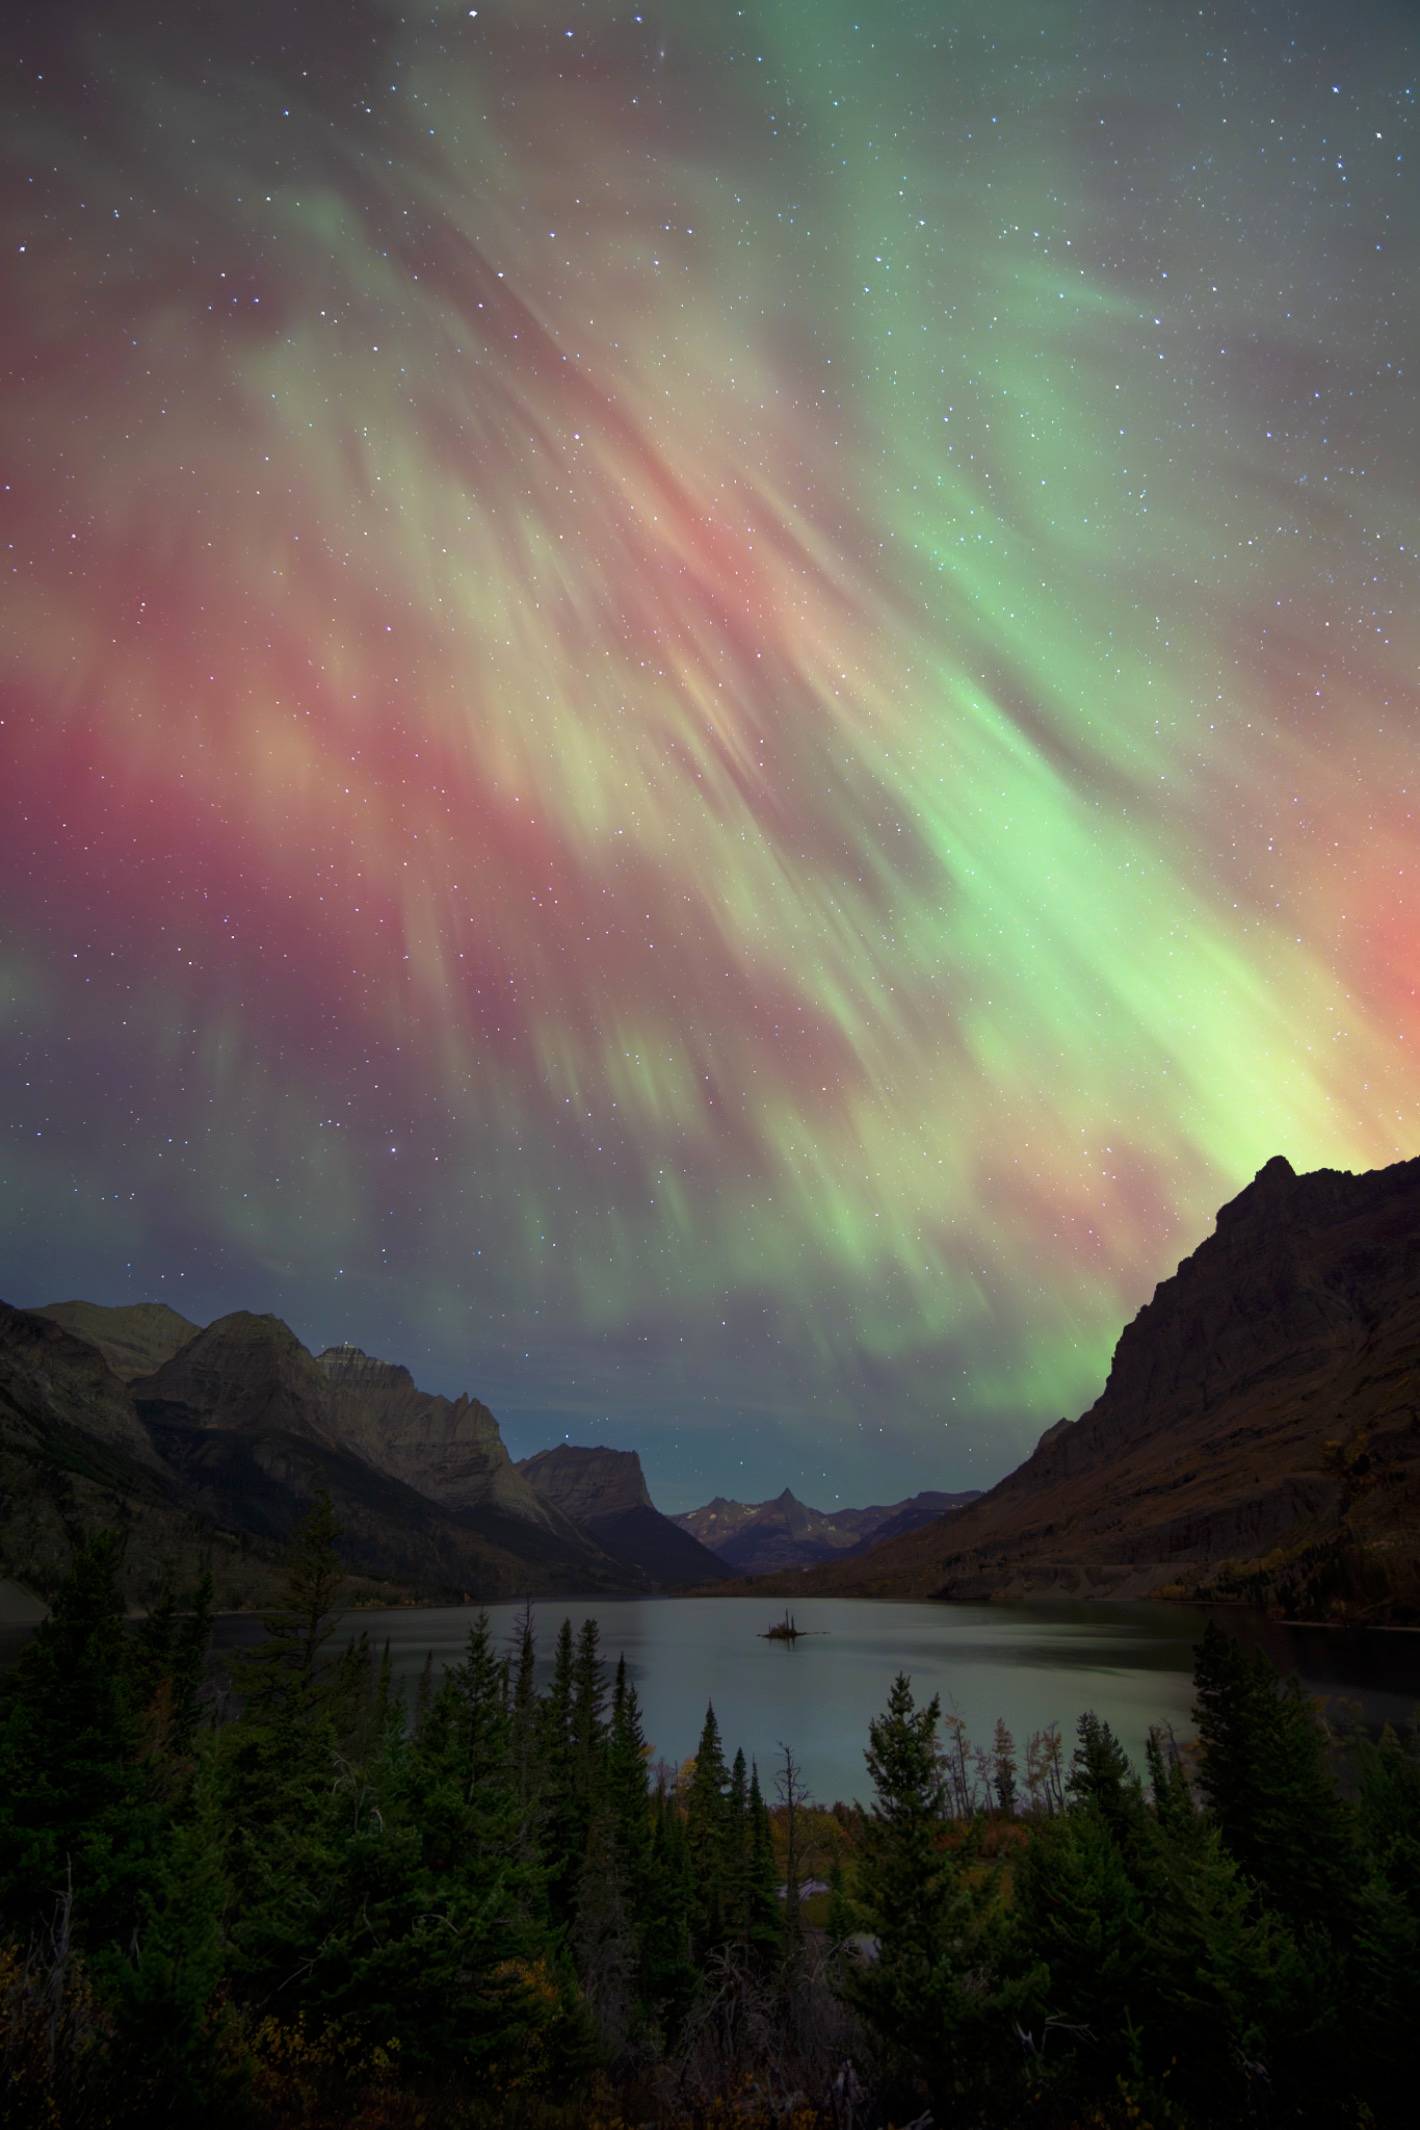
pixel 753 1537
pixel 587 1480
pixel 604 1490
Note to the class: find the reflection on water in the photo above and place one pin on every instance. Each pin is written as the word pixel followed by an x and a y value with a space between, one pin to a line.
pixel 1030 1664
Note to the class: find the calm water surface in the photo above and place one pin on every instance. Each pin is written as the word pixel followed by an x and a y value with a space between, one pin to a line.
pixel 1031 1664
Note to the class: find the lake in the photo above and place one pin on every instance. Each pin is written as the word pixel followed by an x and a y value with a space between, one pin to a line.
pixel 1031 1664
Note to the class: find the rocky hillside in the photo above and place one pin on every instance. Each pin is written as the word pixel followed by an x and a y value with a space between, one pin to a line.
pixel 449 1448
pixel 605 1491
pixel 766 1537
pixel 134 1339
pixel 1258 1437
pixel 75 1457
pixel 219 1451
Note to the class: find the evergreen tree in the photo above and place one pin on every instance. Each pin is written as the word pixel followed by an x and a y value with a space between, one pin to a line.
pixel 563 1826
pixel 167 1993
pixel 1102 1781
pixel 668 1972
pixel 763 1922
pixel 628 1801
pixel 1264 1773
pixel 923 1989
pixel 707 1839
pixel 1218 2002
pixel 523 1712
pixel 78 1807
pixel 735 1867
pixel 278 1762
pixel 480 1684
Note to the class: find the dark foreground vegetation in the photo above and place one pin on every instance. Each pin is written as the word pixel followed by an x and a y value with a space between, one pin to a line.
pixel 288 1899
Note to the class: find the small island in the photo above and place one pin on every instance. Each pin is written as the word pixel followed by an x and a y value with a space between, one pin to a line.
pixel 786 1631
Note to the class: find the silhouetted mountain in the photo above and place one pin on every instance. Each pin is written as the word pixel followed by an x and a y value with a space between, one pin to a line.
pixel 245 1373
pixel 75 1458
pixel 1258 1437
pixel 134 1339
pixel 763 1537
pixel 604 1490
pixel 226 1445
pixel 450 1449
pixel 910 1515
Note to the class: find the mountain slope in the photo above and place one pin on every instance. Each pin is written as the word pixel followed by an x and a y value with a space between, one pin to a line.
pixel 450 1449
pixel 76 1458
pixel 134 1338
pixel 291 1428
pixel 764 1537
pixel 1259 1434
pixel 605 1491
pixel 219 1452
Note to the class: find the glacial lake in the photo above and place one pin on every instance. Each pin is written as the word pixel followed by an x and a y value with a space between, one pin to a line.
pixel 1031 1664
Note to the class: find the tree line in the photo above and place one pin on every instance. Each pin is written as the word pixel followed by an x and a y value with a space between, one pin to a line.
pixel 295 1896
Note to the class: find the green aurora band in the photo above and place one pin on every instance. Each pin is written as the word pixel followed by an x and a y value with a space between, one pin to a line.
pixel 711 711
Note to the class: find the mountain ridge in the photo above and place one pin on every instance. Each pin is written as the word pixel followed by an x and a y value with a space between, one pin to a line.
pixel 1257 1437
pixel 605 1491
pixel 757 1537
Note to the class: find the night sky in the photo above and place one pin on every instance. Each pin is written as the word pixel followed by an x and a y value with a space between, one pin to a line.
pixel 709 713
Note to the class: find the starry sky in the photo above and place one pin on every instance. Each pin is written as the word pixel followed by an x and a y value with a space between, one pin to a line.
pixel 709 712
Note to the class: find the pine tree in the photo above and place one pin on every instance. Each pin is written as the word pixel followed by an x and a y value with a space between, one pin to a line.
pixel 523 1713
pixel 707 1839
pixel 1263 1771
pixel 167 1993
pixel 763 1922
pixel 563 1826
pixel 628 1800
pixel 1102 1780
pixel 922 1989
pixel 480 1686
pixel 1218 2001
pixel 78 1806
pixel 668 1972
pixel 736 1859
pixel 277 1764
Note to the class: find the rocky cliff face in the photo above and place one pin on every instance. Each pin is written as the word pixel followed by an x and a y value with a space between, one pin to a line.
pixel 76 1458
pixel 59 1380
pixel 588 1483
pixel 605 1491
pixel 243 1372
pixel 449 1448
pixel 1258 1436
pixel 217 1454
pixel 135 1339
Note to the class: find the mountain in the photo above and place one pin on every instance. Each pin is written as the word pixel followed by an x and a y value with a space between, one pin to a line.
pixel 292 1426
pixel 220 1450
pixel 1258 1436
pixel 245 1373
pixel 765 1537
pixel 134 1339
pixel 605 1491
pixel 75 1457
pixel 904 1516
pixel 450 1449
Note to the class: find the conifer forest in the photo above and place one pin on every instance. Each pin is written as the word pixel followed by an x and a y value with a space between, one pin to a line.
pixel 280 1894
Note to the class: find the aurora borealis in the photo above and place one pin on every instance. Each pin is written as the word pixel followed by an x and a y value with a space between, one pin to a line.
pixel 709 712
